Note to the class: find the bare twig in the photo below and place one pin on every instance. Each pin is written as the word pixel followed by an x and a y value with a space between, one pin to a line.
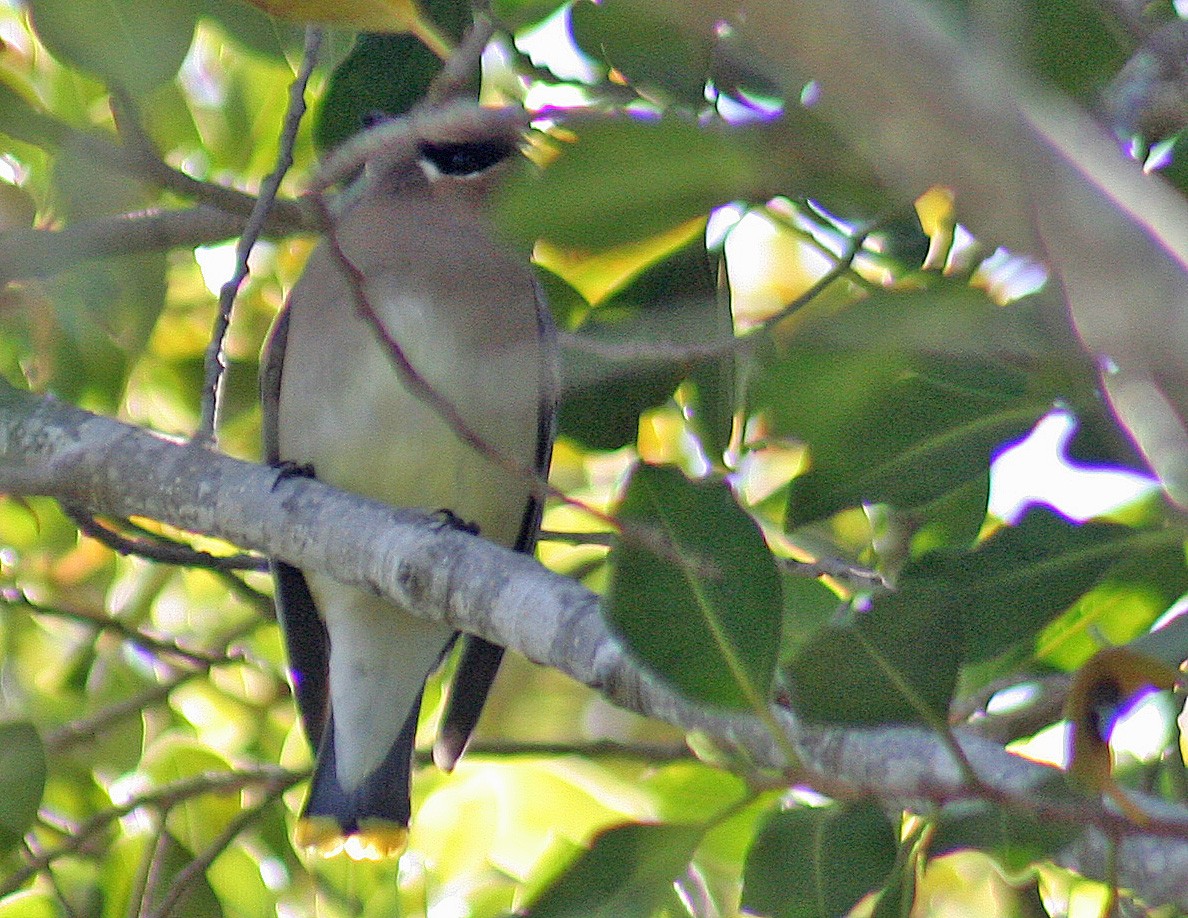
pixel 156 547
pixel 214 364
pixel 123 631
pixel 179 887
pixel 604 539
pixel 36 253
pixel 461 66
pixel 87 728
pixel 161 799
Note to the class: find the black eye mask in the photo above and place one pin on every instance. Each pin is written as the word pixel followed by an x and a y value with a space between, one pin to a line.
pixel 467 157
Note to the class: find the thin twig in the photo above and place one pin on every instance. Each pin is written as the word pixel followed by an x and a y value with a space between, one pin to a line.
pixel 123 631
pixel 604 539
pixel 648 351
pixel 157 547
pixel 215 367
pixel 138 156
pixel 88 728
pixel 181 882
pixel 161 799
pixel 466 61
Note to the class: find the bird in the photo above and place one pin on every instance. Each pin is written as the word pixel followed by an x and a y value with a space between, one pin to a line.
pixel 414 242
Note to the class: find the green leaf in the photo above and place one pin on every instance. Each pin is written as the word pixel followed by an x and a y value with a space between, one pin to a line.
pixel 1075 44
pixel 383 73
pixel 705 611
pixel 30 903
pixel 808 606
pixel 903 397
pixel 625 179
pixel 1019 580
pixel 671 305
pixel 255 29
pixel 517 14
pixel 818 862
pixel 896 663
pixel 197 821
pixel 22 776
pixel 627 873
pixel 648 49
pixel 124 43
pixel 1015 838
pixel 22 118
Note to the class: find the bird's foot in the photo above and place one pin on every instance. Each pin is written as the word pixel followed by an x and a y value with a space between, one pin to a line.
pixel 286 470
pixel 448 519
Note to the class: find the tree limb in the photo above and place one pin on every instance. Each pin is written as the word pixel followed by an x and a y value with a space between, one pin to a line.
pixel 48 448
pixel 34 253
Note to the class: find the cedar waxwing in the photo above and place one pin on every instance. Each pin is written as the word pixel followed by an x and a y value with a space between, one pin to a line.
pixel 467 314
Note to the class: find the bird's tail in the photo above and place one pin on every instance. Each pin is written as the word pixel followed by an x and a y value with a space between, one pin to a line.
pixel 369 821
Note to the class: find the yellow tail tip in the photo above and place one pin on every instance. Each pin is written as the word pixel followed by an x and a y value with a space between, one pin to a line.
pixel 375 839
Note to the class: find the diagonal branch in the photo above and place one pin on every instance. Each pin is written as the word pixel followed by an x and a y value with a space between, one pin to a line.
pixel 47 448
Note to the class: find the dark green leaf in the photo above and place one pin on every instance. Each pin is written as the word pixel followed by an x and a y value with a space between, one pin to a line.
pixel 22 777
pixel 627 873
pixel 22 119
pixel 516 14
pixel 647 48
pixel 671 305
pixel 1024 576
pixel 705 614
pixel 1015 838
pixel 384 73
pixel 1074 44
pixel 902 398
pixel 714 400
pixel 124 43
pixel 808 606
pixel 896 663
pixel 818 862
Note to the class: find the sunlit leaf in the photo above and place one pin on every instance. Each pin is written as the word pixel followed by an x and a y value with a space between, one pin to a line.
pixel 198 820
pixel 123 42
pixel 123 866
pixel 30 903
pixel 369 15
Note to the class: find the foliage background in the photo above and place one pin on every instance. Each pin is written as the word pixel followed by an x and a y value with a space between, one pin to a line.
pixel 149 753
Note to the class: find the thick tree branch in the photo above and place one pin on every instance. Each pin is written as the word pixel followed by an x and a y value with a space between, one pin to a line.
pixel 47 448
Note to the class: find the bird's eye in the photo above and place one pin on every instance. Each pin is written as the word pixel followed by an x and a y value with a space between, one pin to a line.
pixel 466 158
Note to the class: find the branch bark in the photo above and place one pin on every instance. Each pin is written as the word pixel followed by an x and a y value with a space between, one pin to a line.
pixel 51 449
